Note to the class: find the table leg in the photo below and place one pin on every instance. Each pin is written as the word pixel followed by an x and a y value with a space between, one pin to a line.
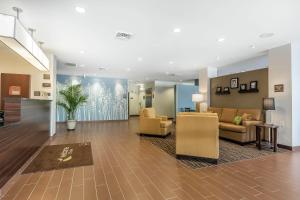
pixel 271 137
pixel 258 140
pixel 275 139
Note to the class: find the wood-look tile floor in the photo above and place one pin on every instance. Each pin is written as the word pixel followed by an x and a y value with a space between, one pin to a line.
pixel 126 167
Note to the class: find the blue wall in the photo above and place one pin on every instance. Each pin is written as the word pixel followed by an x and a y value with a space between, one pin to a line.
pixel 107 98
pixel 184 96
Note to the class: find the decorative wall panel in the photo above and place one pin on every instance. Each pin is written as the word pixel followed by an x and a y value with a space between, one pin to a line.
pixel 107 98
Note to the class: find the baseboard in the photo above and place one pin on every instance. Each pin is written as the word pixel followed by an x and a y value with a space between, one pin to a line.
pixel 295 148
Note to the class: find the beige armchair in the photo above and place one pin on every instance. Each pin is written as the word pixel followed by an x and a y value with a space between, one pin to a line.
pixel 197 135
pixel 151 124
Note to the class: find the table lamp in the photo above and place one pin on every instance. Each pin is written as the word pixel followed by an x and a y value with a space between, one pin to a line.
pixel 268 104
pixel 197 98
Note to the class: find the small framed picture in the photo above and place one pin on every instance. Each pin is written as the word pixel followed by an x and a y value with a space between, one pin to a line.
pixel 226 89
pixel 219 90
pixel 253 85
pixel 234 83
pixel 279 88
pixel 243 87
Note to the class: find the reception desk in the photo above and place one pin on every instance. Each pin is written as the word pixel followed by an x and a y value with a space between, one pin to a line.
pixel 25 132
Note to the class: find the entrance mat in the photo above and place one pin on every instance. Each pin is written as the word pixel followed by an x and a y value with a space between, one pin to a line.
pixel 229 152
pixel 61 156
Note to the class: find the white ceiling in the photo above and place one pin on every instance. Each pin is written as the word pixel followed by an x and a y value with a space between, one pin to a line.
pixel 66 32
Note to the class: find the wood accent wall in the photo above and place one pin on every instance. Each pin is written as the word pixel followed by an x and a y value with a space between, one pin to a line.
pixel 8 80
pixel 236 99
pixel 19 141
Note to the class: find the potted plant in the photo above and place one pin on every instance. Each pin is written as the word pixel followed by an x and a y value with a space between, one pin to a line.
pixel 71 98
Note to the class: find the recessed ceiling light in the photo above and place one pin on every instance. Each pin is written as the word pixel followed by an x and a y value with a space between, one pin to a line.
pixel 128 69
pixel 80 9
pixel 221 39
pixel 218 58
pixel 252 46
pixel 171 62
pixel 82 52
pixel 140 59
pixel 167 73
pixel 177 30
pixel 266 35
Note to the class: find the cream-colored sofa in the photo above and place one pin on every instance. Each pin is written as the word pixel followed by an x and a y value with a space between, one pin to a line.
pixel 197 134
pixel 243 133
pixel 151 124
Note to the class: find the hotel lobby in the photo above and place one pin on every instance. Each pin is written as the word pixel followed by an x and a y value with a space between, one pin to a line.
pixel 154 100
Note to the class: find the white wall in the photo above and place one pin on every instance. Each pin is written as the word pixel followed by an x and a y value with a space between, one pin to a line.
pixel 53 67
pixel 245 65
pixel 280 73
pixel 295 56
pixel 134 106
pixel 204 85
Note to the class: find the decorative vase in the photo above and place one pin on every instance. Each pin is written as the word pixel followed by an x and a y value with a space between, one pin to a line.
pixel 71 124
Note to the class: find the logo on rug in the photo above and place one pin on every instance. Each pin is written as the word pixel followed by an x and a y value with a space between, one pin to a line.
pixel 66 154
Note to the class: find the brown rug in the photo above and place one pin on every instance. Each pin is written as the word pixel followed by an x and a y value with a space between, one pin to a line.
pixel 61 156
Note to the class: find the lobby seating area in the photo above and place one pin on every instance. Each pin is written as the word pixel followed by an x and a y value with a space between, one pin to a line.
pixel 152 124
pixel 243 132
pixel 197 135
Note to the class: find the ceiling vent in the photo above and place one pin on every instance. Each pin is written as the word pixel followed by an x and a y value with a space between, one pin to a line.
pixel 123 36
pixel 171 74
pixel 70 64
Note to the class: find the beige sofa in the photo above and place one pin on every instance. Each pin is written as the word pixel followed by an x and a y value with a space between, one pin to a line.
pixel 151 124
pixel 197 134
pixel 243 133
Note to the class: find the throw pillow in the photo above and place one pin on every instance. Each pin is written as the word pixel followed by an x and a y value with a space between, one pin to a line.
pixel 247 117
pixel 237 120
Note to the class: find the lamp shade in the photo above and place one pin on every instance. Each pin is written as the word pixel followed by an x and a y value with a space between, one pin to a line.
pixel 268 104
pixel 197 98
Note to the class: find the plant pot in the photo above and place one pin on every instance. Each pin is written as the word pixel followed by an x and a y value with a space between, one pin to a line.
pixel 71 124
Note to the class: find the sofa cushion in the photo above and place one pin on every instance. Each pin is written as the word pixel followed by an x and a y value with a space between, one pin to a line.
pixel 149 112
pixel 228 115
pixel 165 124
pixel 232 127
pixel 215 110
pixel 256 113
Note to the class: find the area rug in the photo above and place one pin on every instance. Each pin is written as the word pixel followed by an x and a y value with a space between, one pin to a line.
pixel 229 151
pixel 61 156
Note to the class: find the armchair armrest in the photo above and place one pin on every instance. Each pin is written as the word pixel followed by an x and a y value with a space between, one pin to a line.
pixel 163 118
pixel 248 123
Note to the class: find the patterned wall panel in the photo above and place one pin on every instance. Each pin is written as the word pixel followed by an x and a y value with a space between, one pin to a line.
pixel 107 98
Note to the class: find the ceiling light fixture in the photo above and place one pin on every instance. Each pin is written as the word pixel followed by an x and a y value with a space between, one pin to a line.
pixel 140 59
pixel 218 57
pixel 221 39
pixel 171 62
pixel 82 65
pixel 266 35
pixel 177 30
pixel 128 69
pixel 82 52
pixel 14 35
pixel 252 46
pixel 79 9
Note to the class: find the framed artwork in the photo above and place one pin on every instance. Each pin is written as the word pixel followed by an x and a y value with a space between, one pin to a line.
pixel 46 76
pixel 234 83
pixel 226 90
pixel 279 88
pixel 253 85
pixel 14 90
pixel 243 87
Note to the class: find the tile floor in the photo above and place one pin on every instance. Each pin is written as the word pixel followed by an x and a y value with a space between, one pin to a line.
pixel 126 167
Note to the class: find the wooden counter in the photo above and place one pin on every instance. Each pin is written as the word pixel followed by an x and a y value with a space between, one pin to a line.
pixel 20 140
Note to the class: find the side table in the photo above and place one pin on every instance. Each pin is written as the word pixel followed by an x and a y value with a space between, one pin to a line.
pixel 273 135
